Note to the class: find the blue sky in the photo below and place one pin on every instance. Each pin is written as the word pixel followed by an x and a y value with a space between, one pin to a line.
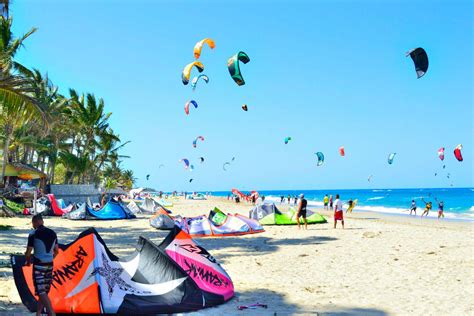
pixel 326 73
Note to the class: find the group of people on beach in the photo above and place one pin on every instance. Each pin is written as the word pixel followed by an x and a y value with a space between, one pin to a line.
pixel 428 207
pixel 338 210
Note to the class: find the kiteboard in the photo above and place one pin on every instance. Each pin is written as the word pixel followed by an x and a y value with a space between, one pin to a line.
pixel 354 203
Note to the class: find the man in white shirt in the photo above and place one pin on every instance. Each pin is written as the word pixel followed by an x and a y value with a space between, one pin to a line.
pixel 338 212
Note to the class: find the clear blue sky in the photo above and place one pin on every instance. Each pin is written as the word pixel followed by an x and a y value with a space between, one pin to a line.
pixel 326 73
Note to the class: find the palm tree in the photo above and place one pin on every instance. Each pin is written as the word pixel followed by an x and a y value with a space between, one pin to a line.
pixel 17 106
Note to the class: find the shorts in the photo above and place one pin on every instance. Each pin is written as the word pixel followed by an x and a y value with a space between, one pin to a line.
pixel 338 216
pixel 440 213
pixel 302 213
pixel 325 204
pixel 413 209
pixel 42 278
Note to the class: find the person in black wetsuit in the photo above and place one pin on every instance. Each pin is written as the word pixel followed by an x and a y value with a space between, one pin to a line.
pixel 302 212
pixel 41 249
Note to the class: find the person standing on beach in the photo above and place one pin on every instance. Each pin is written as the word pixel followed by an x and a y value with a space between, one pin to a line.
pixel 43 243
pixel 289 199
pixel 428 206
pixel 302 212
pixel 326 202
pixel 281 199
pixel 296 200
pixel 349 203
pixel 263 198
pixel 440 208
pixel 338 212
pixel 330 202
pixel 413 207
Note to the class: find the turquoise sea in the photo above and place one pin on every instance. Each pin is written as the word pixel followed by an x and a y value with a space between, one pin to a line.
pixel 458 202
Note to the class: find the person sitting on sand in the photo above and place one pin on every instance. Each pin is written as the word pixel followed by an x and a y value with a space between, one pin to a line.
pixel 302 212
pixel 440 209
pixel 338 212
pixel 326 201
pixel 428 206
pixel 413 207
pixel 330 202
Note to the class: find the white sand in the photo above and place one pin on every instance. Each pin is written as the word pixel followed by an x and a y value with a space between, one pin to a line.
pixel 378 265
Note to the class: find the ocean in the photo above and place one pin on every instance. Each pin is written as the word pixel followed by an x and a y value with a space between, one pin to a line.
pixel 458 202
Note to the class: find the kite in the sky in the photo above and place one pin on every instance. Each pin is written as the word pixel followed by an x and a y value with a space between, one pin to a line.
pixel 196 79
pixel 186 106
pixel 342 152
pixel 320 156
pixel 234 67
pixel 186 74
pixel 287 139
pixel 441 153
pixel 200 44
pixel 161 166
pixel 245 108
pixel 369 178
pixel 186 163
pixel 191 180
pixel 224 165
pixel 457 152
pixel 390 158
pixel 202 159
pixel 420 59
pixel 147 176
pixel 195 141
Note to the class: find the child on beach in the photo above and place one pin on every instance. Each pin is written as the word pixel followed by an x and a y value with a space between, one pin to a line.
pixel 428 206
pixel 440 209
pixel 413 207
pixel 326 202
pixel 338 212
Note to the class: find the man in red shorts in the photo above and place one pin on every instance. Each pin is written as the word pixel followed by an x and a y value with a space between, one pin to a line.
pixel 338 212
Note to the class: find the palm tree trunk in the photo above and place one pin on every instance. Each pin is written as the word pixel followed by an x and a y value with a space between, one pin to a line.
pixel 6 145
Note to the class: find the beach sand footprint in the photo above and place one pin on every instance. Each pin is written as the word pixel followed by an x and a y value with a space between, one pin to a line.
pixel 371 234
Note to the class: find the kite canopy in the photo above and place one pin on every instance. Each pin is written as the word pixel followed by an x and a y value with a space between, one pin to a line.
pixel 441 153
pixel 234 67
pixel 287 139
pixel 58 211
pixel 186 74
pixel 457 152
pixel 201 159
pixel 174 277
pixel 196 79
pixel 199 45
pixel 195 141
pixel 342 151
pixel 220 224
pixel 245 108
pixel 269 214
pixel 224 165
pixel 186 106
pixel 161 220
pixel 390 158
pixel 420 59
pixel 320 156
pixel 111 210
pixel 186 163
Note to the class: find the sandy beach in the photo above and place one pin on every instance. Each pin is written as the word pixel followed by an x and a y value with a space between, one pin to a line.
pixel 378 265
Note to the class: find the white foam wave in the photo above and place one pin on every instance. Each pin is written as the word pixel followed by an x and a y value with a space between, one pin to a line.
pixel 376 198
pixel 471 209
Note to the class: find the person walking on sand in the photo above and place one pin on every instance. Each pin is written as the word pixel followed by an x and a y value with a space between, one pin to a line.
pixel 428 206
pixel 326 202
pixel 338 212
pixel 330 202
pixel 302 212
pixel 413 207
pixel 43 243
pixel 440 208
